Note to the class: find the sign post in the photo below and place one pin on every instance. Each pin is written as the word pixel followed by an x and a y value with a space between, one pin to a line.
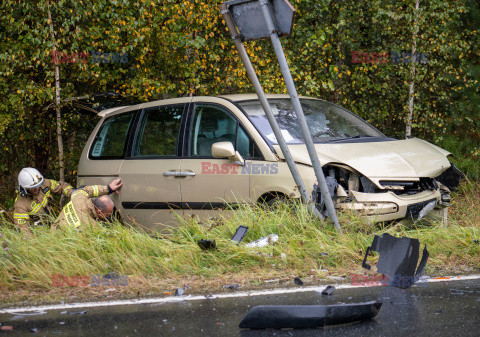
pixel 257 19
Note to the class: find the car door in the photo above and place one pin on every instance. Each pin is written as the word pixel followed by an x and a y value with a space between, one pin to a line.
pixel 213 182
pixel 151 173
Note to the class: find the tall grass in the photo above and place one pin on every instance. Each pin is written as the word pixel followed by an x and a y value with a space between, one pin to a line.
pixel 306 246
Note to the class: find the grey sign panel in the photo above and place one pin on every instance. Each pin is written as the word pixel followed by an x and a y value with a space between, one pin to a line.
pixel 248 17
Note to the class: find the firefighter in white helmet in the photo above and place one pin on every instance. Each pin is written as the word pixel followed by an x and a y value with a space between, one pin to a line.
pixel 33 195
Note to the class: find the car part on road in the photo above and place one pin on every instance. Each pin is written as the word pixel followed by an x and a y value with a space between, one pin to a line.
pixel 240 234
pixel 308 316
pixel 398 260
pixel 328 290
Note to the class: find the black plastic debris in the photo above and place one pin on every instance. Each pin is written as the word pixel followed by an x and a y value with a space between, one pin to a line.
pixel 451 178
pixel 297 281
pixel 239 234
pixel 233 287
pixel 475 241
pixel 78 312
pixel 307 316
pixel 207 244
pixel 398 260
pixel 328 290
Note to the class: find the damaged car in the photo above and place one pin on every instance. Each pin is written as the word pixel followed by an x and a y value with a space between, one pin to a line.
pixel 199 154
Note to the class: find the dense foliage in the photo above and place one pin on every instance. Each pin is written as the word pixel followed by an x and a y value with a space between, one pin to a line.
pixel 165 48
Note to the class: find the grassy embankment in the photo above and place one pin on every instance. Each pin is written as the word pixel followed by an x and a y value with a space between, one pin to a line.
pixel 156 266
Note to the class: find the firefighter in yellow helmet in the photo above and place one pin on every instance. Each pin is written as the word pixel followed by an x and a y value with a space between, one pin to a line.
pixel 88 205
pixel 33 195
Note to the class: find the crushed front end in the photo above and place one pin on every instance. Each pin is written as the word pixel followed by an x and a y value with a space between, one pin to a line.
pixel 386 199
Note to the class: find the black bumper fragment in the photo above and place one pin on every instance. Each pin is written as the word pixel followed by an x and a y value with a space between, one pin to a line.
pixel 307 316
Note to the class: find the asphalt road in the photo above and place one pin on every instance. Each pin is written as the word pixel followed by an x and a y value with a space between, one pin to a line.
pixel 432 309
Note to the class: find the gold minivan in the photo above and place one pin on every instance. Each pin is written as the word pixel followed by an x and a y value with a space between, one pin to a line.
pixel 197 154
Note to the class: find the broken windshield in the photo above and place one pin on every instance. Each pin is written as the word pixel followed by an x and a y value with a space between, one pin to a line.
pixel 326 121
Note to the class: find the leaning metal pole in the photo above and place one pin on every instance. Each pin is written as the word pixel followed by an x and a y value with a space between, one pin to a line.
pixel 277 45
pixel 266 107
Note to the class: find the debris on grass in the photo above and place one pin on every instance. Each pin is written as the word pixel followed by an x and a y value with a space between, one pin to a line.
pixel 263 242
pixel 298 281
pixel 239 234
pixel 207 244
pixel 233 287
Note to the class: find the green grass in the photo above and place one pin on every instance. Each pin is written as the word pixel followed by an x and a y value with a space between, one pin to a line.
pixel 27 263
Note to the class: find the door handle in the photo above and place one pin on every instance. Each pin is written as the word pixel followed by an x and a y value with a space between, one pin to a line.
pixel 179 174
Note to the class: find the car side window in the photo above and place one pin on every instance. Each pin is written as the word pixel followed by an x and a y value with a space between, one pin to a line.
pixel 110 142
pixel 158 135
pixel 212 124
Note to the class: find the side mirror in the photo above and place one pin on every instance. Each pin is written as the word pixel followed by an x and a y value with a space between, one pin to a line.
pixel 226 150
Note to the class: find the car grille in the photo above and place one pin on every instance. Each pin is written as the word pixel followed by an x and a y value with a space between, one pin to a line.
pixel 410 187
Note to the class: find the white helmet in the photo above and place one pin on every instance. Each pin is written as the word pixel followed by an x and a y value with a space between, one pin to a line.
pixel 29 178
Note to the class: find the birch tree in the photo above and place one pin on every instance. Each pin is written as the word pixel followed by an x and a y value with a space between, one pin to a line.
pixel 411 94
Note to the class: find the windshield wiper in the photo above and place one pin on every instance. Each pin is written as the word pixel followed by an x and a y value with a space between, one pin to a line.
pixel 349 138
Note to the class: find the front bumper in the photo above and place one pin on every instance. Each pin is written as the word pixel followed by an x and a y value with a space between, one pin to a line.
pixel 377 207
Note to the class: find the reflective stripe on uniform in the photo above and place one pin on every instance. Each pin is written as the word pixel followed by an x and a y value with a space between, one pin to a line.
pixel 40 205
pixel 20 216
pixel 95 190
pixel 66 189
pixel 71 215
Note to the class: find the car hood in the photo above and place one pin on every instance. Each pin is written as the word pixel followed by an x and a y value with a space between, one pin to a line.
pixel 402 159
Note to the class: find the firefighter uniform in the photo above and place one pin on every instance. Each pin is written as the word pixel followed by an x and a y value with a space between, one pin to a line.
pixel 80 210
pixel 35 206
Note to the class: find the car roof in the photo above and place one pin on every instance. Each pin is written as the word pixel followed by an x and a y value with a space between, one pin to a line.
pixel 246 97
pixel 108 111
pixel 229 97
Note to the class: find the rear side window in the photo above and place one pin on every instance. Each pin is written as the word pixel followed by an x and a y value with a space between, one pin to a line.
pixel 158 135
pixel 111 139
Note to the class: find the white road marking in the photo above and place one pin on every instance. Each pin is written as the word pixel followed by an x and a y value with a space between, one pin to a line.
pixel 174 299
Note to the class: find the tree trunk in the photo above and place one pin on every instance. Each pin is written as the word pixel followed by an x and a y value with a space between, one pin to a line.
pixel 61 162
pixel 411 95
